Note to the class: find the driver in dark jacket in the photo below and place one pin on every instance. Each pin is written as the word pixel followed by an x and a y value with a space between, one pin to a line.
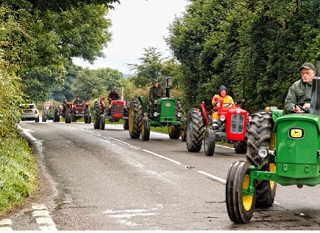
pixel 300 91
pixel 156 92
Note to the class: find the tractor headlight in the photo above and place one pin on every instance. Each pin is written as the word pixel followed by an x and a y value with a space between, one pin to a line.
pixel 155 114
pixel 222 118
pixel 179 114
pixel 263 152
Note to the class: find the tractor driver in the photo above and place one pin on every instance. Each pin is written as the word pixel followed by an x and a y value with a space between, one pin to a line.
pixel 300 91
pixel 77 100
pixel 113 95
pixel 156 92
pixel 216 100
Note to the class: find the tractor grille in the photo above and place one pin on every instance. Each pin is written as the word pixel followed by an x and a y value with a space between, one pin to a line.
pixel 237 123
pixel 117 109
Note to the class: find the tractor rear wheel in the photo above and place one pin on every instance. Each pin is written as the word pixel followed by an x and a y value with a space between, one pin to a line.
pixel 96 113
pixel 145 129
pixel 135 118
pixel 259 135
pixel 240 206
pixel 174 131
pixel 209 143
pixel 195 130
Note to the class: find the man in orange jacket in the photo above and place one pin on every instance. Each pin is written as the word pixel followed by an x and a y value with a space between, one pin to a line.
pixel 217 100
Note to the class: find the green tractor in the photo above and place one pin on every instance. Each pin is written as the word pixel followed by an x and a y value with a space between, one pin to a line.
pixel 281 149
pixel 166 112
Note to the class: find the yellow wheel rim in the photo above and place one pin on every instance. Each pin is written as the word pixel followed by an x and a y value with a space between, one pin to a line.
pixel 272 168
pixel 130 119
pixel 246 199
pixel 142 129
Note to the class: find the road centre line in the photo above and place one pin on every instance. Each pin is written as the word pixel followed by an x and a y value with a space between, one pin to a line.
pixel 161 156
pixel 208 175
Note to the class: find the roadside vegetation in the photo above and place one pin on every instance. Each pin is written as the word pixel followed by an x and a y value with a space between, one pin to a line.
pixel 253 47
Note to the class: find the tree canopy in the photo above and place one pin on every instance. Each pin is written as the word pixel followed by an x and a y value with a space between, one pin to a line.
pixel 255 48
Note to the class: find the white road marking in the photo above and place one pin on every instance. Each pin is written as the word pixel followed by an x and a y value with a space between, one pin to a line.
pixel 208 175
pixel 161 156
pixel 215 178
pixel 43 219
pixel 5 225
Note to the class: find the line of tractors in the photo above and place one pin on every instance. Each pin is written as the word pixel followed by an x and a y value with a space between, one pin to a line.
pixel 279 148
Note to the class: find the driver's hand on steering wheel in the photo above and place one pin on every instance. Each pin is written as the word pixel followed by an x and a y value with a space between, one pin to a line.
pixel 306 106
pixel 297 109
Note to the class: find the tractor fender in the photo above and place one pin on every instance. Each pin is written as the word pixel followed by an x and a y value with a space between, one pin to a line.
pixel 202 108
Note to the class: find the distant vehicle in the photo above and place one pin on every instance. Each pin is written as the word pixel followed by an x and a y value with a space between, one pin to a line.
pixel 29 112
pixel 48 111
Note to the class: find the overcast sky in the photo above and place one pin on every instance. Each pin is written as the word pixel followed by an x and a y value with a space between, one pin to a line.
pixel 137 24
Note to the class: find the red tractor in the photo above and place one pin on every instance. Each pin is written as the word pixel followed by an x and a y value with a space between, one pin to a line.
pixel 116 111
pixel 73 112
pixel 232 127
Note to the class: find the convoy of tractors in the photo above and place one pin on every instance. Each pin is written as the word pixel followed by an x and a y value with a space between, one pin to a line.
pixel 279 148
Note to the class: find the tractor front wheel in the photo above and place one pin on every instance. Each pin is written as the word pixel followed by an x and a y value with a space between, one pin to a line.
pixel 209 143
pixel 102 122
pixel 96 114
pixel 67 116
pixel 183 132
pixel 240 205
pixel 126 124
pixel 174 132
pixel 145 129
pixel 195 130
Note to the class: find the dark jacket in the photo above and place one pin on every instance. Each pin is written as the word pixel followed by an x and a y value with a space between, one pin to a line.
pixel 156 93
pixel 299 92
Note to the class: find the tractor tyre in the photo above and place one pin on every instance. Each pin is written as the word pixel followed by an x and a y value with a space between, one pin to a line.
pixel 102 122
pixel 178 110
pixel 241 146
pixel 195 130
pixel 126 124
pixel 209 142
pixel 183 132
pixel 96 114
pixel 74 119
pixel 145 129
pixel 135 118
pixel 174 132
pixel 87 115
pixel 56 115
pixel 259 135
pixel 67 117
pixel 240 206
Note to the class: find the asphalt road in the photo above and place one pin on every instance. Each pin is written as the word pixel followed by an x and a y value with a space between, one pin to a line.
pixel 104 180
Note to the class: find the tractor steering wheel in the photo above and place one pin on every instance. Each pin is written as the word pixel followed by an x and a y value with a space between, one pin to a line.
pixel 227 105
pixel 300 105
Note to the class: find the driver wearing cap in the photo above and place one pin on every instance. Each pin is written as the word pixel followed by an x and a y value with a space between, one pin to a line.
pixel 300 91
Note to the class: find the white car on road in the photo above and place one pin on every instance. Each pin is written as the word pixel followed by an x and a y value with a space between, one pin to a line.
pixel 29 112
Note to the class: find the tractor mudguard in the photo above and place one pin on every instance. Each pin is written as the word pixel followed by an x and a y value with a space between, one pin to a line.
pixel 202 108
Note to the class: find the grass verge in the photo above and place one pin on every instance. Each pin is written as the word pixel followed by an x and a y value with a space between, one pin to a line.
pixel 18 172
